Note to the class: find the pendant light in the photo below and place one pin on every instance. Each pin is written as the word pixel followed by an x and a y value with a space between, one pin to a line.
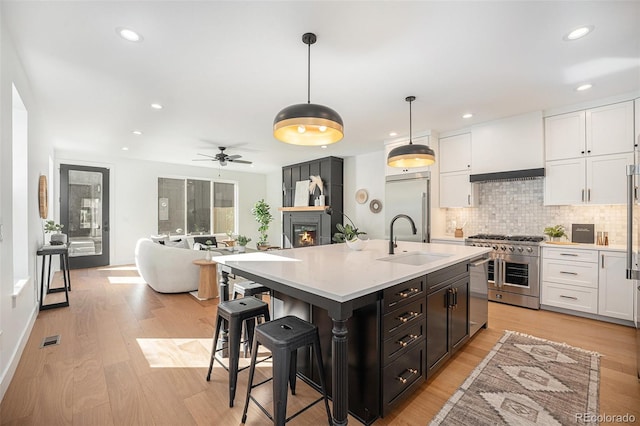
pixel 411 155
pixel 308 124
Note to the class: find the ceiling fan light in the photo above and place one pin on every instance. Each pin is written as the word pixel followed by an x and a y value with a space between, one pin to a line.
pixel 411 155
pixel 321 124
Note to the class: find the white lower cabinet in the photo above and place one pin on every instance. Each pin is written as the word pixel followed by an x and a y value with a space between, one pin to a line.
pixel 588 281
pixel 615 292
pixel 570 279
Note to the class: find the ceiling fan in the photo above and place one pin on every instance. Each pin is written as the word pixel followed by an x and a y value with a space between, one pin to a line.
pixel 223 158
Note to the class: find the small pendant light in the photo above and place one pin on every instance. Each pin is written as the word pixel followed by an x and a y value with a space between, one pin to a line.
pixel 411 155
pixel 308 124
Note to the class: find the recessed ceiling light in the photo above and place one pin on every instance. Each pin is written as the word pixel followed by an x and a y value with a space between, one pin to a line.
pixel 129 34
pixel 393 134
pixel 578 32
pixel 137 132
pixel 323 147
pixel 125 148
pixel 156 106
pixel 467 115
pixel 584 87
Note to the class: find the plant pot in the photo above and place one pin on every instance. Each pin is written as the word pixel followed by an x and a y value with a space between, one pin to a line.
pixel 58 239
pixel 356 244
pixel 263 247
pixel 240 249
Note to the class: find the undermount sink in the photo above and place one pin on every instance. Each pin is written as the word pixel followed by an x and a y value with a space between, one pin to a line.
pixel 416 258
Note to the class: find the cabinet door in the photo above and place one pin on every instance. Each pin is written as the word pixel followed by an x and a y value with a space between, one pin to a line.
pixel 460 314
pixel 456 190
pixel 637 126
pixel 564 136
pixel 455 153
pixel 615 292
pixel 390 171
pixel 437 329
pixel 610 129
pixel 564 182
pixel 607 178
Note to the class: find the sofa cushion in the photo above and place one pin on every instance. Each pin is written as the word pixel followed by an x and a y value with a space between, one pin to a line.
pixel 177 244
pixel 159 238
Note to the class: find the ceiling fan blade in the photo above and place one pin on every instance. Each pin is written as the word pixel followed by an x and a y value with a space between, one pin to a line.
pixel 206 155
pixel 240 161
pixel 204 159
pixel 233 157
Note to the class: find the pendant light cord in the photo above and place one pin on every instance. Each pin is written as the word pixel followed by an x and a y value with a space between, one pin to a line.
pixel 309 74
pixel 410 121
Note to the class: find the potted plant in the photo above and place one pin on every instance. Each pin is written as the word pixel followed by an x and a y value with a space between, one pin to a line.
pixel 55 229
pixel 555 232
pixel 349 234
pixel 242 241
pixel 261 212
pixel 230 241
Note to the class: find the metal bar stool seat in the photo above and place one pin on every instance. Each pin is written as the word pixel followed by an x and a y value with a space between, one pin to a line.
pixel 235 313
pixel 283 337
pixel 249 288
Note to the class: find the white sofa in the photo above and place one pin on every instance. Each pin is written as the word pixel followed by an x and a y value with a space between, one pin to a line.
pixel 168 269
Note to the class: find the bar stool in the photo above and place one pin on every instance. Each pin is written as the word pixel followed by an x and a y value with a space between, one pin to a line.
pixel 249 288
pixel 283 337
pixel 236 312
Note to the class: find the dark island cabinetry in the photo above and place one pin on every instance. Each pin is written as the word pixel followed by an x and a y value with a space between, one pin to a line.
pixel 447 314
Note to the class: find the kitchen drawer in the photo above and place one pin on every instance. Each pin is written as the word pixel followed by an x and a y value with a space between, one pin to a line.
pixel 403 341
pixel 399 294
pixel 581 274
pixel 402 319
pixel 569 297
pixel 572 255
pixel 400 376
pixel 443 277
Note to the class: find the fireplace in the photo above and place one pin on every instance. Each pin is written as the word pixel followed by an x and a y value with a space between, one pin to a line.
pixel 306 228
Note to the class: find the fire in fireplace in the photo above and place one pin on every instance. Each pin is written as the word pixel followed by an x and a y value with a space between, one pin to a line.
pixel 304 235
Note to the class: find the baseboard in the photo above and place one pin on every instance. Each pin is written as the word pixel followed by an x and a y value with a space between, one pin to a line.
pixel 8 373
pixel 587 315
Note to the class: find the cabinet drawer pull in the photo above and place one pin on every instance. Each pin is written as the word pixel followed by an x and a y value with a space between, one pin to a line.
pixel 409 339
pixel 569 254
pixel 408 292
pixel 404 377
pixel 568 273
pixel 408 316
pixel 569 297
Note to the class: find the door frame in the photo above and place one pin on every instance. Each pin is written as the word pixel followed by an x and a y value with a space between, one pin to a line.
pixel 95 260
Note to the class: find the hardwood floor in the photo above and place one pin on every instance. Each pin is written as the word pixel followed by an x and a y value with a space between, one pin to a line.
pixel 129 355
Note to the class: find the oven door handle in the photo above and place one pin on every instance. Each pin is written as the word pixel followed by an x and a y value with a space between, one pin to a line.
pixel 503 272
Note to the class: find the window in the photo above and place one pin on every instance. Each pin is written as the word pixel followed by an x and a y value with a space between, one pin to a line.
pixel 195 207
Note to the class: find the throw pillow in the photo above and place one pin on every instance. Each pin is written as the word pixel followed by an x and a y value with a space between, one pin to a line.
pixel 176 244
pixel 161 239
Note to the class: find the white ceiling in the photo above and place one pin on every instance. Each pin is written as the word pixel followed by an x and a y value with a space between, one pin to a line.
pixel 224 69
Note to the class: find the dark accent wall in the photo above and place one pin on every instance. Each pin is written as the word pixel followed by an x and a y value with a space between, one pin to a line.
pixel 330 169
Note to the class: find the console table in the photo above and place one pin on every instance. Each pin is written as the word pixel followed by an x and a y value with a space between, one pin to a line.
pixel 47 252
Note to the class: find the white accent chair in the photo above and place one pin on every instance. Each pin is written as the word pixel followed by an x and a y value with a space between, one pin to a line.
pixel 168 269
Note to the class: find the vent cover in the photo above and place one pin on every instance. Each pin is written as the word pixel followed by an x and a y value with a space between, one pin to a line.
pixel 50 341
pixel 526 174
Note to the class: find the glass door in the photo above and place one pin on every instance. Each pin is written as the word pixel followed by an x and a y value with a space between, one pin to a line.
pixel 84 212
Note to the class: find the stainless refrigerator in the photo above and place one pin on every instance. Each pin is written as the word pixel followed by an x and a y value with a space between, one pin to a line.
pixel 409 194
pixel 633 248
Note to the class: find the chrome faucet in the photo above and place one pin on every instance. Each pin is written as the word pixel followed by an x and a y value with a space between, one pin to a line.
pixel 392 244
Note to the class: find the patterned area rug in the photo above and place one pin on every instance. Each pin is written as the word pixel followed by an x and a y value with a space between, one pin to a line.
pixel 526 380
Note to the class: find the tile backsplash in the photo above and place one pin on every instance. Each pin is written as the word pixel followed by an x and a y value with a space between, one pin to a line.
pixel 517 207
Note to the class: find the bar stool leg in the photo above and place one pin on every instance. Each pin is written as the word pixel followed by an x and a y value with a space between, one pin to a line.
pixel 235 335
pixel 293 367
pixel 252 369
pixel 215 345
pixel 318 355
pixel 281 363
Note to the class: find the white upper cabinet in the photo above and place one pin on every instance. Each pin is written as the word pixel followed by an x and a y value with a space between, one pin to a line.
pixel 422 140
pixel 564 135
pixel 637 139
pixel 597 131
pixel 456 190
pixel 513 143
pixel 610 129
pixel 564 182
pixel 455 153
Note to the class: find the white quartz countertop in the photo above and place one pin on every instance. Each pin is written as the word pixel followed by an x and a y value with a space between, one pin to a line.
pixel 615 247
pixel 449 238
pixel 338 273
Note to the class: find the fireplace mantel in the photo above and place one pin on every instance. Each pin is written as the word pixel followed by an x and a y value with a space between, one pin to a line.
pixel 303 209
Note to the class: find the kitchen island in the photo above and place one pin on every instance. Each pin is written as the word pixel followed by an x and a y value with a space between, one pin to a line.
pixel 341 281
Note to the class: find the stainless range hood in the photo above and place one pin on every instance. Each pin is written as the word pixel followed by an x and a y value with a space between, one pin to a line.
pixel 506 176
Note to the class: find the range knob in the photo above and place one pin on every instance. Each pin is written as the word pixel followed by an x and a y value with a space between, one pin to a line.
pixel 495 247
pixel 487 245
pixel 520 249
pixel 503 248
pixel 512 248
pixel 529 249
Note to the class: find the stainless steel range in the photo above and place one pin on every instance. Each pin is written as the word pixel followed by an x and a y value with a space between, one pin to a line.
pixel 514 268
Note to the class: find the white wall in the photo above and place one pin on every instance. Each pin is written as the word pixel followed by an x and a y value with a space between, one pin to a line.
pixel 17 314
pixel 134 198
